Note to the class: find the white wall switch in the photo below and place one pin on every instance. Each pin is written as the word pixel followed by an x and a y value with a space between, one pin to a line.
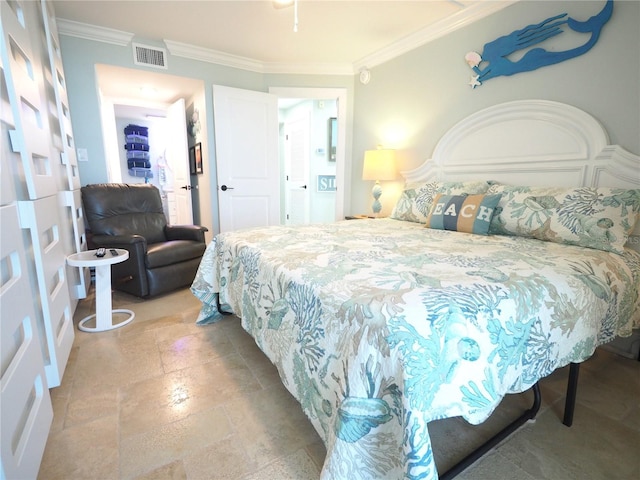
pixel 83 155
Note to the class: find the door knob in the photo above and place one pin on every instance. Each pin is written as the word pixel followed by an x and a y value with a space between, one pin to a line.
pixel 186 187
pixel 224 188
pixel 304 186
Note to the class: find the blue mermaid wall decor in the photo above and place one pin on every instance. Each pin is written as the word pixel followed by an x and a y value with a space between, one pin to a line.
pixel 495 55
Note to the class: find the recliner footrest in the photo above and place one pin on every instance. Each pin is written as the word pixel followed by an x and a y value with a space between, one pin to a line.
pixel 174 251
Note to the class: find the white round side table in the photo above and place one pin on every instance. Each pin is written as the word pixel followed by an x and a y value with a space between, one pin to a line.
pixel 104 313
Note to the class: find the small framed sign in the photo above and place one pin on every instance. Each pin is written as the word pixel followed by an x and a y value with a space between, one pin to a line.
pixel 326 183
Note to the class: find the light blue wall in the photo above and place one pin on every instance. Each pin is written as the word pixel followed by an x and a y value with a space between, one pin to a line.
pixel 80 57
pixel 413 99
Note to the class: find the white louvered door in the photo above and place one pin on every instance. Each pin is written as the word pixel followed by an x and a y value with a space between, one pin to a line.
pixel 297 170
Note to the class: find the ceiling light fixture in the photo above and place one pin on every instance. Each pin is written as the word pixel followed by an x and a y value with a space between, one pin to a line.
pixel 282 3
pixel 287 3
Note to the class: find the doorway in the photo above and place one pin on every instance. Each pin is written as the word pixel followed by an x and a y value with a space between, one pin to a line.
pixel 308 160
pixel 249 172
pixel 156 102
pixel 327 175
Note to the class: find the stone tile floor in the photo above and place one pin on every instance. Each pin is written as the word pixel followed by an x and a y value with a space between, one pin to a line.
pixel 162 398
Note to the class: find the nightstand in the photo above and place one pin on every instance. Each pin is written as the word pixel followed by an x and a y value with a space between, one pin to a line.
pixel 357 217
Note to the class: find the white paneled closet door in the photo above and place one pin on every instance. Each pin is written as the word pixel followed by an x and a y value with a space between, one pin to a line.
pixel 58 83
pixel 79 279
pixel 42 223
pixel 25 63
pixel 63 153
pixel 23 78
pixel 41 218
pixel 26 412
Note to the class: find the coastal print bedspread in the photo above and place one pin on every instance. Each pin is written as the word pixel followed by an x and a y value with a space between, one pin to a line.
pixel 378 327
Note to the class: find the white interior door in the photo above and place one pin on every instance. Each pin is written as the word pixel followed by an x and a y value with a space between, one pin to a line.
pixel 246 136
pixel 178 159
pixel 296 143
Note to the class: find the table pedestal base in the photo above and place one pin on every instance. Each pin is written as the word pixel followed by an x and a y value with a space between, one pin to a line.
pixel 104 313
pixel 109 326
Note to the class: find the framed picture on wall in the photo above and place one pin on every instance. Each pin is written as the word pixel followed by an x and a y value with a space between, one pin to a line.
pixel 195 159
pixel 192 160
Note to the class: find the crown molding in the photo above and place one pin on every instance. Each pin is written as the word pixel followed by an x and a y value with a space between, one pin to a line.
pixel 93 32
pixel 217 57
pixel 194 52
pixel 310 68
pixel 454 22
pixel 462 18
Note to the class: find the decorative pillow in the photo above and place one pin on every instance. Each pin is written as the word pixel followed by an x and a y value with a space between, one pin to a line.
pixel 415 202
pixel 462 213
pixel 600 218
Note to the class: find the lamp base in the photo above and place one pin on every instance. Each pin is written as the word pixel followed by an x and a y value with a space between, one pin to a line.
pixel 376 191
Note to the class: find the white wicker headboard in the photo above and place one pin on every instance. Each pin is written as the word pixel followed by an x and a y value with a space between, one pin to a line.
pixel 531 142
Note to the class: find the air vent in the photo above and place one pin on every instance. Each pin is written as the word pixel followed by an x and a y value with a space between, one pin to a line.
pixel 149 56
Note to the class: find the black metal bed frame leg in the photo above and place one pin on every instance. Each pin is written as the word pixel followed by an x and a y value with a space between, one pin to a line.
pixel 569 408
pixel 570 399
pixel 219 306
pixel 529 414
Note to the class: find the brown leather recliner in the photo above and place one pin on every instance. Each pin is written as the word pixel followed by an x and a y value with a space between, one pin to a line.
pixel 161 257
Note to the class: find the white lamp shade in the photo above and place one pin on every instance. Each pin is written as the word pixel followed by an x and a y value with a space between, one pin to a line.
pixel 379 164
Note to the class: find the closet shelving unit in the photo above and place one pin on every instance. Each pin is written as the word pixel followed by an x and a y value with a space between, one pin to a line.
pixel 137 147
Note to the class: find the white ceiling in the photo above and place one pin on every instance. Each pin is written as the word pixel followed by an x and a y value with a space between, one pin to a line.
pixel 329 31
pixel 334 35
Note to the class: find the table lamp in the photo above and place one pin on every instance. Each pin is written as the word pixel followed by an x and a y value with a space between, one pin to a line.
pixel 378 165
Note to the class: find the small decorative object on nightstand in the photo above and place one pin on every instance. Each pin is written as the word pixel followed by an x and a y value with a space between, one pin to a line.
pixel 378 165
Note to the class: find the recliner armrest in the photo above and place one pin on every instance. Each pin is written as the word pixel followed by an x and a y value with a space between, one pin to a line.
pixel 185 232
pixel 135 244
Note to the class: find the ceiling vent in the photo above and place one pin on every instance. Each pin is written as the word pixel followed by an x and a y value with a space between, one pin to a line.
pixel 149 56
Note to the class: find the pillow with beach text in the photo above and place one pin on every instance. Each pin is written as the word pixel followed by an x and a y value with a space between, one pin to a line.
pixel 416 200
pixel 462 213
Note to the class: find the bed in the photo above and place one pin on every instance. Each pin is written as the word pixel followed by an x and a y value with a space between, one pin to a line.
pixel 377 327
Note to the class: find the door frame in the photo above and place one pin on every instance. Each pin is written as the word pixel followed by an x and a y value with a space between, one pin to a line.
pixel 320 93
